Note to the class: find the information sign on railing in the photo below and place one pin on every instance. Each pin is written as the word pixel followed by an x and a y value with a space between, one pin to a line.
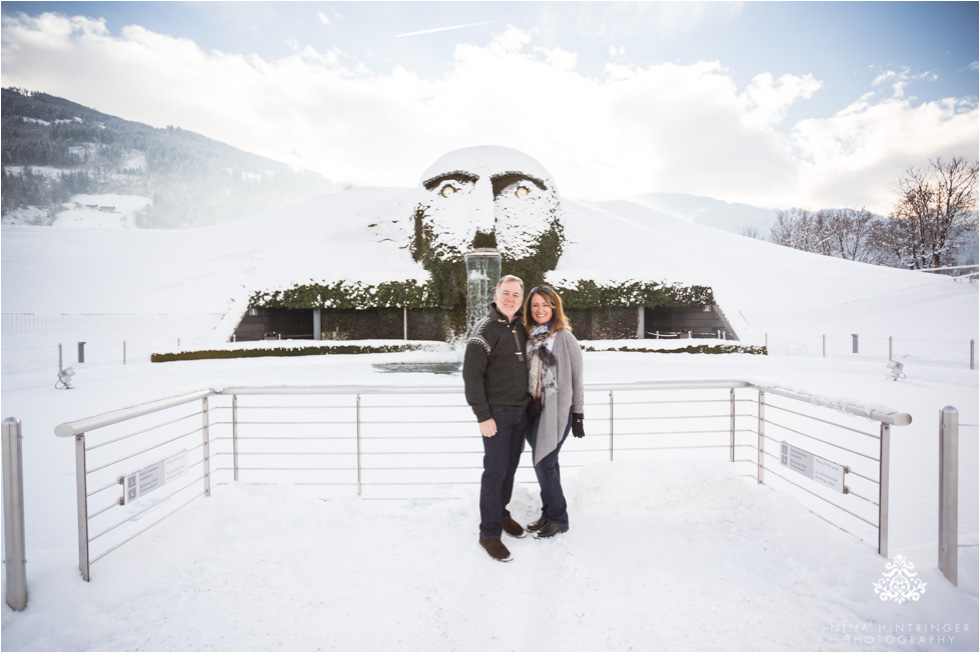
pixel 813 467
pixel 154 476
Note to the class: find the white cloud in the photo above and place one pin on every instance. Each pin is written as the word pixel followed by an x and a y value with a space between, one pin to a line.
pixel 664 127
pixel 325 19
pixel 900 79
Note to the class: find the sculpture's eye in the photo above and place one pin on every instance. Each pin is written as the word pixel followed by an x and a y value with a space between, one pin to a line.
pixel 447 190
pixel 521 191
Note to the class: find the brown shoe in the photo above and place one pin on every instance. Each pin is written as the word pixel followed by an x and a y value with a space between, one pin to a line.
pixel 512 528
pixel 496 549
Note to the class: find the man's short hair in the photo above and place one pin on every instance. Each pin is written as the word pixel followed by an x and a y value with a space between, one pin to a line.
pixel 507 278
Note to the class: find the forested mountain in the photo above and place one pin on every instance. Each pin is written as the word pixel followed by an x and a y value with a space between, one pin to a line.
pixel 54 149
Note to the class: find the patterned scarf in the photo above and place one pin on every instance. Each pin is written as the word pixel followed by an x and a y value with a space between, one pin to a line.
pixel 541 381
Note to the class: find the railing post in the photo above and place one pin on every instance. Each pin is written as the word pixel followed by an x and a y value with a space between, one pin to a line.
pixel 949 426
pixel 884 455
pixel 206 436
pixel 972 350
pixel 890 356
pixel 357 436
pixel 731 452
pixel 824 345
pixel 762 437
pixel 612 430
pixel 13 513
pixel 61 367
pixel 81 492
pixel 854 343
pixel 234 433
pixel 124 352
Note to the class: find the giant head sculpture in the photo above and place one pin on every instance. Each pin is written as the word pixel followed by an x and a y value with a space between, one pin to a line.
pixel 488 196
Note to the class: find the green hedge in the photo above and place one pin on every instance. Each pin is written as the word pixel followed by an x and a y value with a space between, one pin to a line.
pixel 589 294
pixel 207 354
pixel 448 292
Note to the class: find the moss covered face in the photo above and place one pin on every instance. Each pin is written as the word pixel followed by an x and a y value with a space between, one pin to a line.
pixel 486 197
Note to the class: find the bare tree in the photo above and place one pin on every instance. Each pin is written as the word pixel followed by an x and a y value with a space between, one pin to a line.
pixel 801 229
pixel 937 206
pixel 856 235
pixel 751 231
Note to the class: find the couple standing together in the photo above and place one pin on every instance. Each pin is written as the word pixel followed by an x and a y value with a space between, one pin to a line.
pixel 523 377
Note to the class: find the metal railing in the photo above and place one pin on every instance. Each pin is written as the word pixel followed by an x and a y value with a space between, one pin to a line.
pixel 137 466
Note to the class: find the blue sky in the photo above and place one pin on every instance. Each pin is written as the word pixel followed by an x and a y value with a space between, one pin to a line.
pixel 774 103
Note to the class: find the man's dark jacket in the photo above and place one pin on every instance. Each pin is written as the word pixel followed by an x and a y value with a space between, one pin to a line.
pixel 494 367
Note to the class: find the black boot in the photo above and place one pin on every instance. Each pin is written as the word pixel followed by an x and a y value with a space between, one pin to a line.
pixel 550 528
pixel 536 526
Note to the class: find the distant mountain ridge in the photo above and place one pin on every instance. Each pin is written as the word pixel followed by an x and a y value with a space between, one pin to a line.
pixel 710 212
pixel 54 148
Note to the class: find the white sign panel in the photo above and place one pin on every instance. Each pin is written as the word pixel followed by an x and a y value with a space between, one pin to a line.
pixel 154 477
pixel 813 467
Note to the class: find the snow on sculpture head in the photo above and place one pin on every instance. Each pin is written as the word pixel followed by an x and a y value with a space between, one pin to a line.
pixel 486 196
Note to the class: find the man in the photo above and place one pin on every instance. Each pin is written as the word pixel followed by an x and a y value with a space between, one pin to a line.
pixel 495 376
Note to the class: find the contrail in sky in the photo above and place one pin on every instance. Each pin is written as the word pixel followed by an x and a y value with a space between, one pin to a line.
pixel 443 29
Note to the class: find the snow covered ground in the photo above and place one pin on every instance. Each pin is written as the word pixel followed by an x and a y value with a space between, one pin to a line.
pixel 665 553
pixel 672 554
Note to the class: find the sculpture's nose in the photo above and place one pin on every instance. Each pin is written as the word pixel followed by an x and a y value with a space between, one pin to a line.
pixel 482 208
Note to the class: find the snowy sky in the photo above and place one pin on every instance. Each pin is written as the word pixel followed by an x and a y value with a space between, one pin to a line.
pixel 813 104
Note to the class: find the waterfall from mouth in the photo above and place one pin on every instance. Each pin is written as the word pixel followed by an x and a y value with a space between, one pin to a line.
pixel 482 274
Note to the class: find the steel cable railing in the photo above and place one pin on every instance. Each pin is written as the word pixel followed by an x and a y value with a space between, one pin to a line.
pixel 360 440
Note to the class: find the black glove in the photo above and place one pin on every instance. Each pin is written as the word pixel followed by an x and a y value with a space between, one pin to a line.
pixel 578 425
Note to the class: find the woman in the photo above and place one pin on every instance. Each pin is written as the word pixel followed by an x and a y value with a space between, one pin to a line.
pixel 557 405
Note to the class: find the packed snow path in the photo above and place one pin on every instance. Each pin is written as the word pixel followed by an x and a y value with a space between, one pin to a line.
pixel 680 556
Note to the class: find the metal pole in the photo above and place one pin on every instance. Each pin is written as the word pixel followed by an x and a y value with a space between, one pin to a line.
pixel 124 352
pixel 949 426
pixel 61 367
pixel 13 513
pixel 611 423
pixel 762 437
pixel 405 321
pixel 357 435
pixel 206 436
pixel 234 433
pixel 854 343
pixel 81 493
pixel 890 357
pixel 972 349
pixel 886 436
pixel 731 452
pixel 81 352
pixel 824 345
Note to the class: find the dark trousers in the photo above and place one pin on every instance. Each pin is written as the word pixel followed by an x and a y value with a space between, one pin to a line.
pixel 501 455
pixel 553 504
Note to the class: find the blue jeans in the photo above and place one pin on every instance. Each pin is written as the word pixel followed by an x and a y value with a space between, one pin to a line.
pixel 501 455
pixel 553 504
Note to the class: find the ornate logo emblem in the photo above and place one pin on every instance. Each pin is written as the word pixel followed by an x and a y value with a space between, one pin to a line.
pixel 899 582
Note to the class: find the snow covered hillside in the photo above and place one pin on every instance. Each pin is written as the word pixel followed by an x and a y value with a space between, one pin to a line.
pixel 671 551
pixel 362 235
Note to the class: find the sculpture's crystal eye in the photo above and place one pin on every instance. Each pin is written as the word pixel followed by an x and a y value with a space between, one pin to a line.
pixel 521 191
pixel 447 190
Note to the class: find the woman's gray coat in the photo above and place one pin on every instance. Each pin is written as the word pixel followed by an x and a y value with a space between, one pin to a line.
pixel 568 396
